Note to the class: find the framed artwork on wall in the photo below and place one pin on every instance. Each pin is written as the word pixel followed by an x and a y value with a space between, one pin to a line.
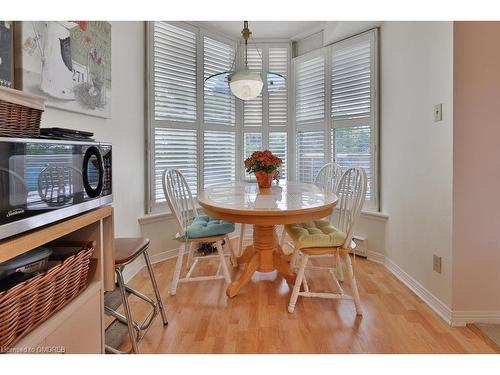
pixel 69 62
pixel 6 54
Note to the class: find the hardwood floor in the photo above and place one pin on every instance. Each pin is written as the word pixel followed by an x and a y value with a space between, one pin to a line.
pixel 203 320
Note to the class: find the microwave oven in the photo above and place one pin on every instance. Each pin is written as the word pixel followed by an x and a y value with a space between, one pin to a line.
pixel 43 181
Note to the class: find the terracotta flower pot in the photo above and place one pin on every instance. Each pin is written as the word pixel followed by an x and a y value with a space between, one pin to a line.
pixel 264 180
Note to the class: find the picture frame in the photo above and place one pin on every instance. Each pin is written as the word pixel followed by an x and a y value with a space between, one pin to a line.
pixel 69 62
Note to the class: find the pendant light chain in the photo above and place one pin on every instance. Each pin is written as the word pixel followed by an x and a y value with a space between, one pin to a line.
pixel 246 53
pixel 246 33
pixel 258 51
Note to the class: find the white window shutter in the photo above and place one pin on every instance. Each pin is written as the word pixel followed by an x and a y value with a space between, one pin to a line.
pixel 352 148
pixel 278 146
pixel 252 109
pixel 352 108
pixel 252 142
pixel 310 90
pixel 174 149
pixel 219 108
pixel 278 103
pixel 310 154
pixel 174 76
pixel 219 157
pixel 352 80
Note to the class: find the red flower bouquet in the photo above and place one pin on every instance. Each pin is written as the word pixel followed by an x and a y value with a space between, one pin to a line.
pixel 264 165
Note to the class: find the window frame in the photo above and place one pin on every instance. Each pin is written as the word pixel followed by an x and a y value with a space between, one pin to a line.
pixel 199 125
pixel 328 124
pixel 201 105
pixel 152 123
pixel 320 125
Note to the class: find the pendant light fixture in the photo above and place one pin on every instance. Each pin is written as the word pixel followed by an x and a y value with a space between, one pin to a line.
pixel 245 84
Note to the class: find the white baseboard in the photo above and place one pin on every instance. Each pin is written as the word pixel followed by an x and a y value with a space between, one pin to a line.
pixel 461 318
pixel 430 299
pixel 427 297
pixel 375 257
pixel 133 268
pixel 453 318
pixel 160 257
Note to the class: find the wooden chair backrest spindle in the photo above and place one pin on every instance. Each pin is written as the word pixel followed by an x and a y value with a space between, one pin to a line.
pixel 179 199
pixel 351 192
pixel 328 177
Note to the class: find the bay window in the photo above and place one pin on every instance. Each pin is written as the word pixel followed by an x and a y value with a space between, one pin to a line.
pixel 328 111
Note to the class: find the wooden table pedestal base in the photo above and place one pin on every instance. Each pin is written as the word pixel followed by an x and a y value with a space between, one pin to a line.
pixel 263 256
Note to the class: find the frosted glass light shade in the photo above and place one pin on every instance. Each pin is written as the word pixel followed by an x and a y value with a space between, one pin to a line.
pixel 246 84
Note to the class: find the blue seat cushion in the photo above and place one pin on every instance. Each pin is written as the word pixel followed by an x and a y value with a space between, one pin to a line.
pixel 205 226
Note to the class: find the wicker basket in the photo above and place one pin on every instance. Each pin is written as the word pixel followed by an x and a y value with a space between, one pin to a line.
pixel 28 304
pixel 20 113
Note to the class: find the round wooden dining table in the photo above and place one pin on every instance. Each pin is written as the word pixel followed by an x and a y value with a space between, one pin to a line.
pixel 286 203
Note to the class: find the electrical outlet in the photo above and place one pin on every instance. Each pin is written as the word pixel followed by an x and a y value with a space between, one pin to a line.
pixel 436 263
pixel 438 112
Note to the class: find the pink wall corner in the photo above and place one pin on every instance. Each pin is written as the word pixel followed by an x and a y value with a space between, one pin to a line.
pixel 476 166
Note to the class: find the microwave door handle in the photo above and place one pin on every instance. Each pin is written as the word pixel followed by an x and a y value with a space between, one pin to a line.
pixel 91 192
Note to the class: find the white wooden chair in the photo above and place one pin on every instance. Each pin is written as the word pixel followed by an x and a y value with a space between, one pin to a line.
pixel 351 191
pixel 182 205
pixel 327 179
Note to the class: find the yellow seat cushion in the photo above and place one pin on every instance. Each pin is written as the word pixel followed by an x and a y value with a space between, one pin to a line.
pixel 317 233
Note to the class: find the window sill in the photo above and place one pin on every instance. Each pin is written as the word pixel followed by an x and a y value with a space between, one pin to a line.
pixel 167 215
pixel 155 217
pixel 375 215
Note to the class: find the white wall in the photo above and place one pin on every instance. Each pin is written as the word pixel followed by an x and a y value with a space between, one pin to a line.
pixel 126 127
pixel 416 72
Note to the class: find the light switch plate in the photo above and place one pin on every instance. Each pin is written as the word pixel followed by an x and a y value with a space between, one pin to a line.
pixel 438 112
pixel 436 263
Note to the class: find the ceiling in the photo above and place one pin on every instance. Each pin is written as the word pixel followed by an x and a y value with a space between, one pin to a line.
pixel 266 29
